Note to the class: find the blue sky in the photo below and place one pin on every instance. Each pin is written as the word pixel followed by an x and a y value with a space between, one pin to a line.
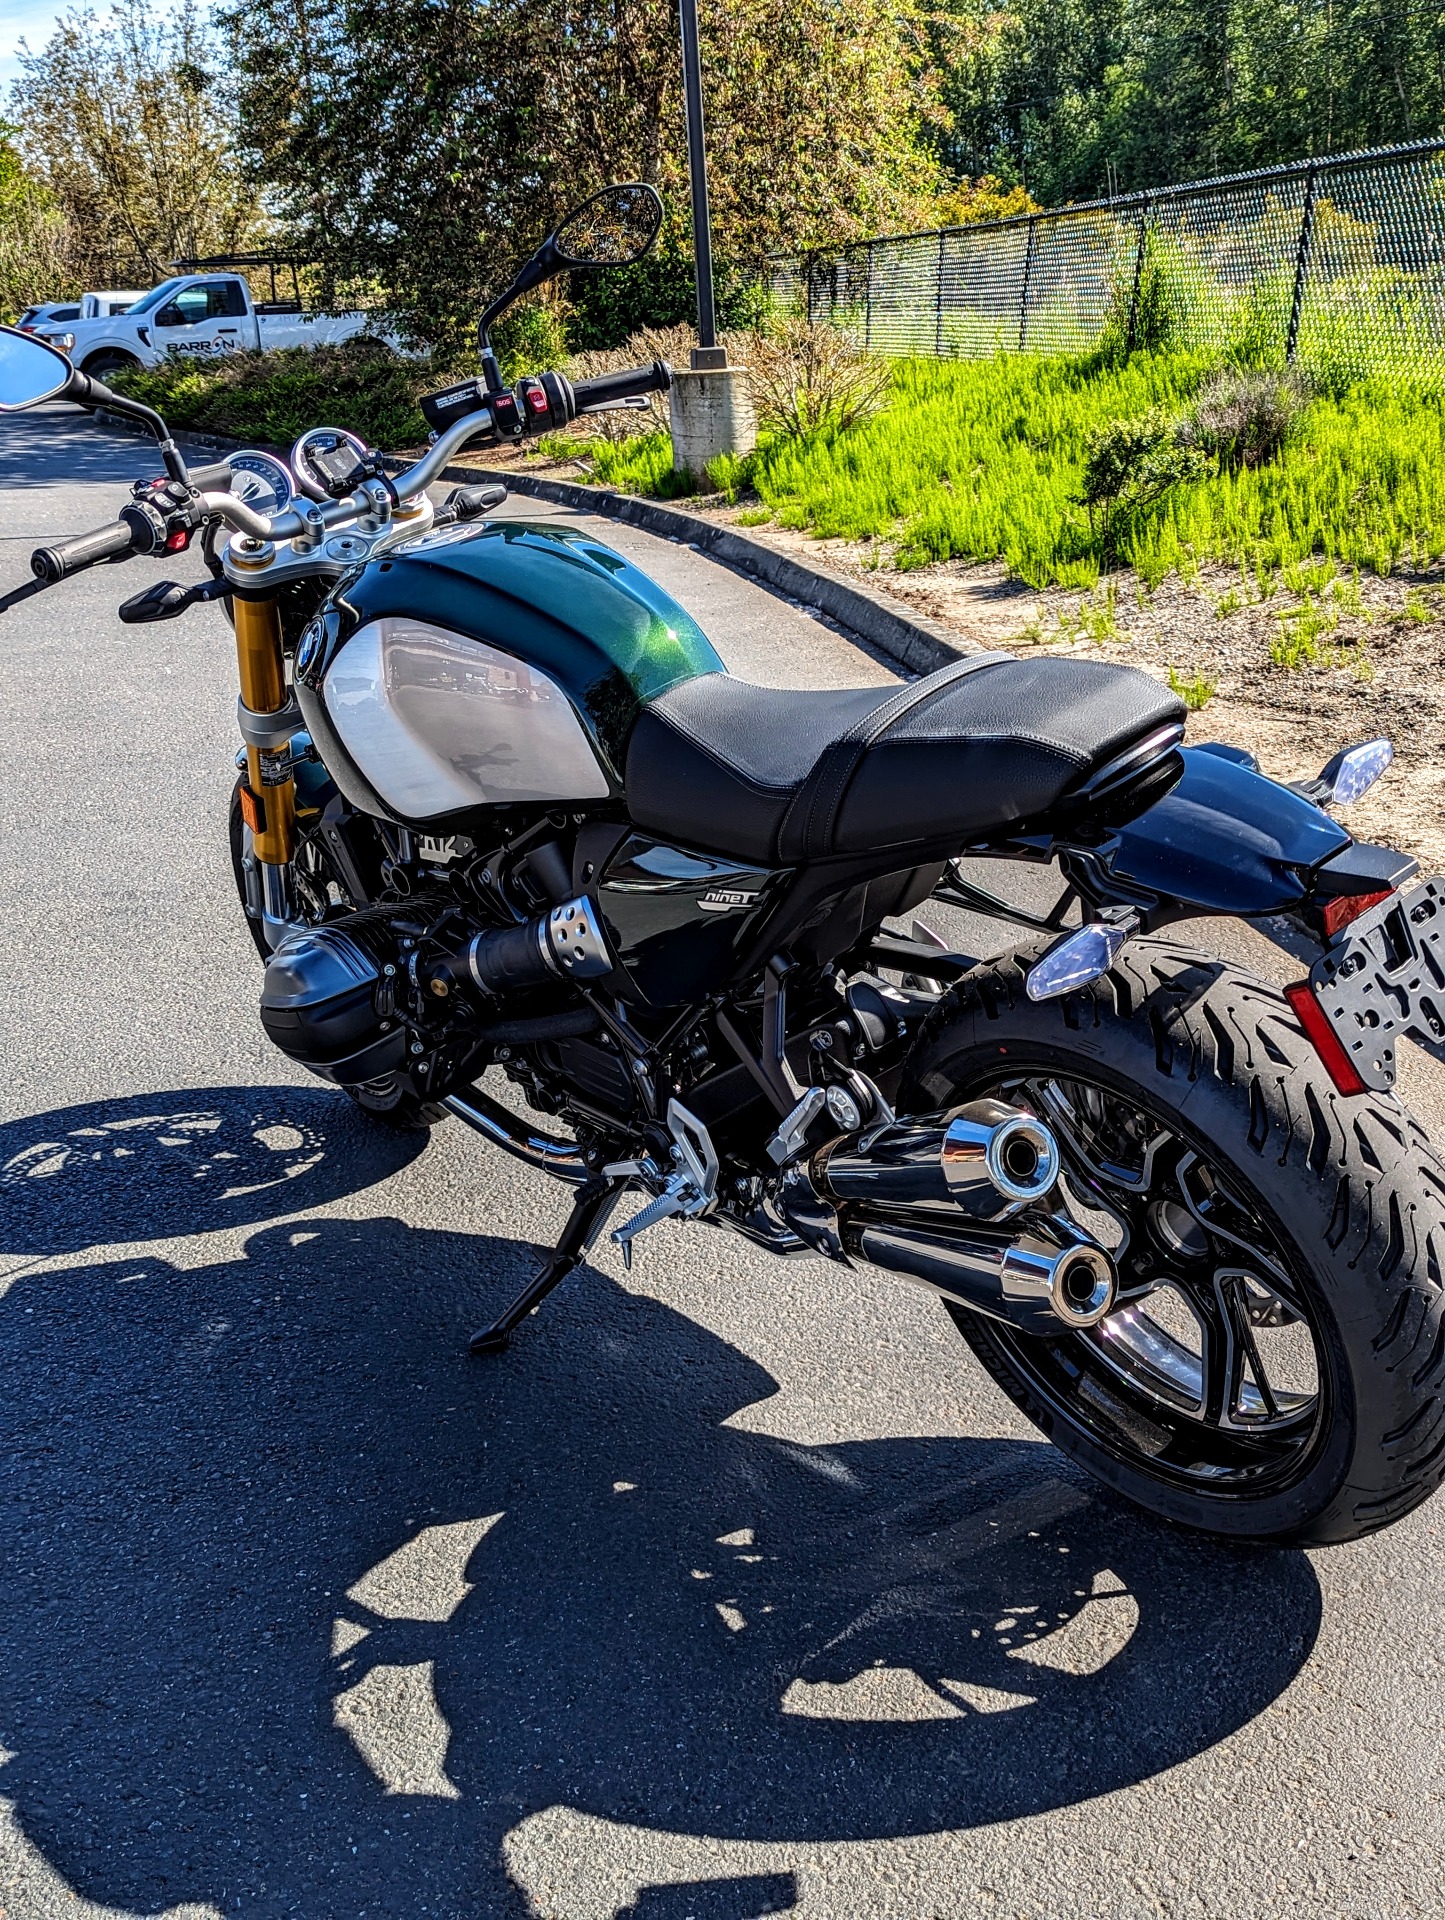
pixel 22 19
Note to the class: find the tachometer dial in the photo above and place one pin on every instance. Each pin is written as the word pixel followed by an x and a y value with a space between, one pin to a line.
pixel 263 482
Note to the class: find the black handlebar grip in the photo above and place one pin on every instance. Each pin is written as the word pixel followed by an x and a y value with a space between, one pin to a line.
pixel 470 503
pixel 609 388
pixel 73 556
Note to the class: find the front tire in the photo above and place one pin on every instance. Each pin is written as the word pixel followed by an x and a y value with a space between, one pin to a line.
pixel 100 366
pixel 1276 1371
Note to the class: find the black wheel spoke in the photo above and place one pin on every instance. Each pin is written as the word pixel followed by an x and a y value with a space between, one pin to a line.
pixel 1176 1379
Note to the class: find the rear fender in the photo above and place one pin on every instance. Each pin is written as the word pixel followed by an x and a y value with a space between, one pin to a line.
pixel 1226 839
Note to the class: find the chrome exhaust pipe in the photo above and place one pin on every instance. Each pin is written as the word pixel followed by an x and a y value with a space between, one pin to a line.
pixel 988 1158
pixel 943 1201
pixel 1034 1283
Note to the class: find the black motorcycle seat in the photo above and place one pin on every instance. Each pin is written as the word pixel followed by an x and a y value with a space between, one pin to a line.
pixel 780 776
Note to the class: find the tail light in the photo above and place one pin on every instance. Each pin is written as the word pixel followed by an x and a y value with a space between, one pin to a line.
pixel 1337 914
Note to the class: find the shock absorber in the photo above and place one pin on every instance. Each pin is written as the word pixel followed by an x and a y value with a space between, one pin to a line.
pixel 565 943
pixel 268 718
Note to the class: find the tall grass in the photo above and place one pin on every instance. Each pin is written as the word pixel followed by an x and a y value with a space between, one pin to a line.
pixel 983 460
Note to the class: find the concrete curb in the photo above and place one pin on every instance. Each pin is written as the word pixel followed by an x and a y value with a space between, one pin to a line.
pixel 911 641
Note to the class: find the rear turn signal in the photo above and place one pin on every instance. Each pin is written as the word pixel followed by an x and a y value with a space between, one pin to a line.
pixel 1322 1037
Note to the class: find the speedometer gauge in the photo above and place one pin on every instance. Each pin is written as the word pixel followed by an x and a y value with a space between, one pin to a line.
pixel 263 482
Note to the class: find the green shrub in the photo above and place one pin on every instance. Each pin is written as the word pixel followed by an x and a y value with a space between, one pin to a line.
pixel 272 397
pixel 1129 464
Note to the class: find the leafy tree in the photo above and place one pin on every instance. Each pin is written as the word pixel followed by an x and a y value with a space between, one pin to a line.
pixel 127 127
pixel 428 144
pixel 1079 98
pixel 36 252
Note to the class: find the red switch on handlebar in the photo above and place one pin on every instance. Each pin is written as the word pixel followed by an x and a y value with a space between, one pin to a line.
pixel 178 541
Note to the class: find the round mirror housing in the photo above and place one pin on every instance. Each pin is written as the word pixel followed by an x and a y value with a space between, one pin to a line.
pixel 31 370
pixel 612 229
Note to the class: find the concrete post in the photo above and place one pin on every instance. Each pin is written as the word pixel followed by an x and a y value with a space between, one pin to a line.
pixel 712 413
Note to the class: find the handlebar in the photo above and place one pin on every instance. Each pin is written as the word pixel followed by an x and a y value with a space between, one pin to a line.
pixel 52 564
pixel 610 388
pixel 142 528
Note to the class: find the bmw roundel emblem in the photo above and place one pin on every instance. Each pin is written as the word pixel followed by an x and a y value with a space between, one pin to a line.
pixel 310 647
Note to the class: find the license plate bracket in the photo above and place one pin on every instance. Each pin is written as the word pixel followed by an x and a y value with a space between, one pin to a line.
pixel 1385 979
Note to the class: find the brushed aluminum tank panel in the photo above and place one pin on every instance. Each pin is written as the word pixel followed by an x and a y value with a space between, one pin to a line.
pixel 438 721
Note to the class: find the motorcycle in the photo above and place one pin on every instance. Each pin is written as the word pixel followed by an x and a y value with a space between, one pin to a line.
pixel 500 806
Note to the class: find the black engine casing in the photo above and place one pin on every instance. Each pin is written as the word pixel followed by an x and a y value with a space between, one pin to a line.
pixel 318 1004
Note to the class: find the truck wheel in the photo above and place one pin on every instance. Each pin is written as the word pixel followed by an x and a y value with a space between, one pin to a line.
pixel 109 360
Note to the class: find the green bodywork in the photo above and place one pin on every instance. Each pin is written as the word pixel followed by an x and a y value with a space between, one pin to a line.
pixel 556 598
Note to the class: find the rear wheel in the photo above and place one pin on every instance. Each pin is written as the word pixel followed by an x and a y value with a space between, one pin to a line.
pixel 1275 1368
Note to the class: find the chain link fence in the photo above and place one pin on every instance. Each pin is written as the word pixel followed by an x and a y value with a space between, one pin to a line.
pixel 1336 264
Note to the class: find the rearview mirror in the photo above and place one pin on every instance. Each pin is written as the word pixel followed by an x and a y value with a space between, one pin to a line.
pixel 30 371
pixel 612 229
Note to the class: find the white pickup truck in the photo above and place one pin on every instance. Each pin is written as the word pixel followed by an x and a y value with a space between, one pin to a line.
pixel 200 314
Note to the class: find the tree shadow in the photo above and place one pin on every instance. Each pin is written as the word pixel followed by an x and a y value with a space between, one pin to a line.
pixel 306 1611
pixel 194 1161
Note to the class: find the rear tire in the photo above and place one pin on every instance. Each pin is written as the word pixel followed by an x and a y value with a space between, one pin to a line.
pixel 1338 1202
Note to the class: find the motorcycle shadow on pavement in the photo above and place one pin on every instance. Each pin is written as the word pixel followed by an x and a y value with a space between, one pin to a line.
pixel 308 1613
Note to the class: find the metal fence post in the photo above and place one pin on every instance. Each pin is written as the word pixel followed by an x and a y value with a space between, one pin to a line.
pixel 1024 290
pixel 1132 331
pixel 1301 266
pixel 938 303
pixel 868 304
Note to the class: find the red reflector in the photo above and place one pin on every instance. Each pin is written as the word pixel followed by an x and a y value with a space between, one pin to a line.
pixel 253 810
pixel 1349 906
pixel 178 541
pixel 1323 1038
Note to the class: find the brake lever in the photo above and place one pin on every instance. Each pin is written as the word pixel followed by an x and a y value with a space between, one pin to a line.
pixel 167 600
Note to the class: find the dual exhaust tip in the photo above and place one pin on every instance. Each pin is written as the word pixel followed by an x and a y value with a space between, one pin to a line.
pixel 961 1203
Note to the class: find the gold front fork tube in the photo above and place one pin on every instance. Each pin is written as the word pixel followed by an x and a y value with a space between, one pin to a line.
pixel 262 670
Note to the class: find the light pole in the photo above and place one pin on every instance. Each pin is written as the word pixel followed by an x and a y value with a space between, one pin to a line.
pixel 707 355
pixel 711 404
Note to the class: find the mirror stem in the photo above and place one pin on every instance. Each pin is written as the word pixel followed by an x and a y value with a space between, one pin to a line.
pixel 94 393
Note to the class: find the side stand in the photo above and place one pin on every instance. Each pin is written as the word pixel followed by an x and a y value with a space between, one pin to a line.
pixel 590 1212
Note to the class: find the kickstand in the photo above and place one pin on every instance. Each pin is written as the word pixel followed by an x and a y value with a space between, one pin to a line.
pixel 589 1216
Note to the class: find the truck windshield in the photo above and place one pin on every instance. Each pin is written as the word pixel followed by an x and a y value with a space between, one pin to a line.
pixel 157 296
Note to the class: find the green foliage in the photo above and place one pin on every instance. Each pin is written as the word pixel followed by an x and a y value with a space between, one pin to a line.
pixel 608 307
pixel 1129 464
pixel 431 146
pixel 529 337
pixel 1084 98
pixel 985 460
pixel 1196 691
pixel 1245 417
pixel 272 397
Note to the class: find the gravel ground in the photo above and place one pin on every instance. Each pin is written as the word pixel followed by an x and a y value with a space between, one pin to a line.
pixel 733 1589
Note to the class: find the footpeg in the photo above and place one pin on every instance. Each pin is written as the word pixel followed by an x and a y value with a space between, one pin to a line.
pixel 688 1192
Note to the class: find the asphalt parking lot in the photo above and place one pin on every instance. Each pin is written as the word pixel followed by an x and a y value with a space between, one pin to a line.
pixel 733 1589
